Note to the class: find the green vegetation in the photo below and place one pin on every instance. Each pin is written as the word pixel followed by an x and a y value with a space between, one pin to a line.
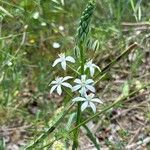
pixel 114 34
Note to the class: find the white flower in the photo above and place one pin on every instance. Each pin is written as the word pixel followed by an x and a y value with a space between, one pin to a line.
pixel 58 82
pixel 88 101
pixel 43 24
pixel 63 59
pixel 61 28
pixel 91 67
pixel 36 15
pixel 84 85
pixel 9 63
pixel 56 45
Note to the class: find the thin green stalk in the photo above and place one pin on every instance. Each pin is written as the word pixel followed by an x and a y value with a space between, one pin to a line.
pixel 78 120
pixel 68 96
pixel 124 53
pixel 76 133
pixel 82 59
pixel 73 70
pixel 106 68
pixel 47 145
pixel 101 77
pixel 68 93
pixel 91 137
pixel 82 33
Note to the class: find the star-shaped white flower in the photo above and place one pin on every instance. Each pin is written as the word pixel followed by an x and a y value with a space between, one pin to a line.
pixel 58 82
pixel 63 59
pixel 56 45
pixel 36 15
pixel 91 66
pixel 84 85
pixel 88 101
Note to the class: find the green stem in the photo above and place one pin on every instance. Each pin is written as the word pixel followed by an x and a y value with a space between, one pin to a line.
pixel 68 93
pixel 76 133
pixel 125 52
pixel 75 71
pixel 82 59
pixel 78 120
pixel 91 137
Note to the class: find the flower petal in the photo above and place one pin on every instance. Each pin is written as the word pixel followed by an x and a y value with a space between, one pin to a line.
pixel 76 87
pixel 84 106
pixel 97 68
pixel 63 64
pixel 53 82
pixel 85 67
pixel 83 91
pixel 89 81
pixel 78 99
pixel 91 88
pixel 77 81
pixel 58 60
pixel 92 71
pixel 71 59
pixel 66 78
pixel 92 105
pixel 83 77
pixel 89 63
pixel 66 85
pixel 97 100
pixel 59 90
pixel 53 88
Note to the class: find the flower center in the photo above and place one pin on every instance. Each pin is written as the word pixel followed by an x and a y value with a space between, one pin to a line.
pixel 62 57
pixel 83 84
pixel 59 81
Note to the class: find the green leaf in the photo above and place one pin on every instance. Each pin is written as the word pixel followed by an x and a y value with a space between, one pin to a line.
pixel 92 137
pixel 95 45
pixel 2 144
pixel 56 1
pixel 71 120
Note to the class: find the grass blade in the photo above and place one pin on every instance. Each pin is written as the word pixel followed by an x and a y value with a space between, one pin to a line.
pixel 51 128
pixel 91 137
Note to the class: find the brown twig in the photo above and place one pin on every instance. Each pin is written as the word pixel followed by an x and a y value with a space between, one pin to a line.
pixel 135 135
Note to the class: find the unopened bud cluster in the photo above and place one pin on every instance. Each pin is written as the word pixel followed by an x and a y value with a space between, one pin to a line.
pixel 83 28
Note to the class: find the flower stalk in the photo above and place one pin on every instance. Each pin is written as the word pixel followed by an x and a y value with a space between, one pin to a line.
pixel 78 119
pixel 82 33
